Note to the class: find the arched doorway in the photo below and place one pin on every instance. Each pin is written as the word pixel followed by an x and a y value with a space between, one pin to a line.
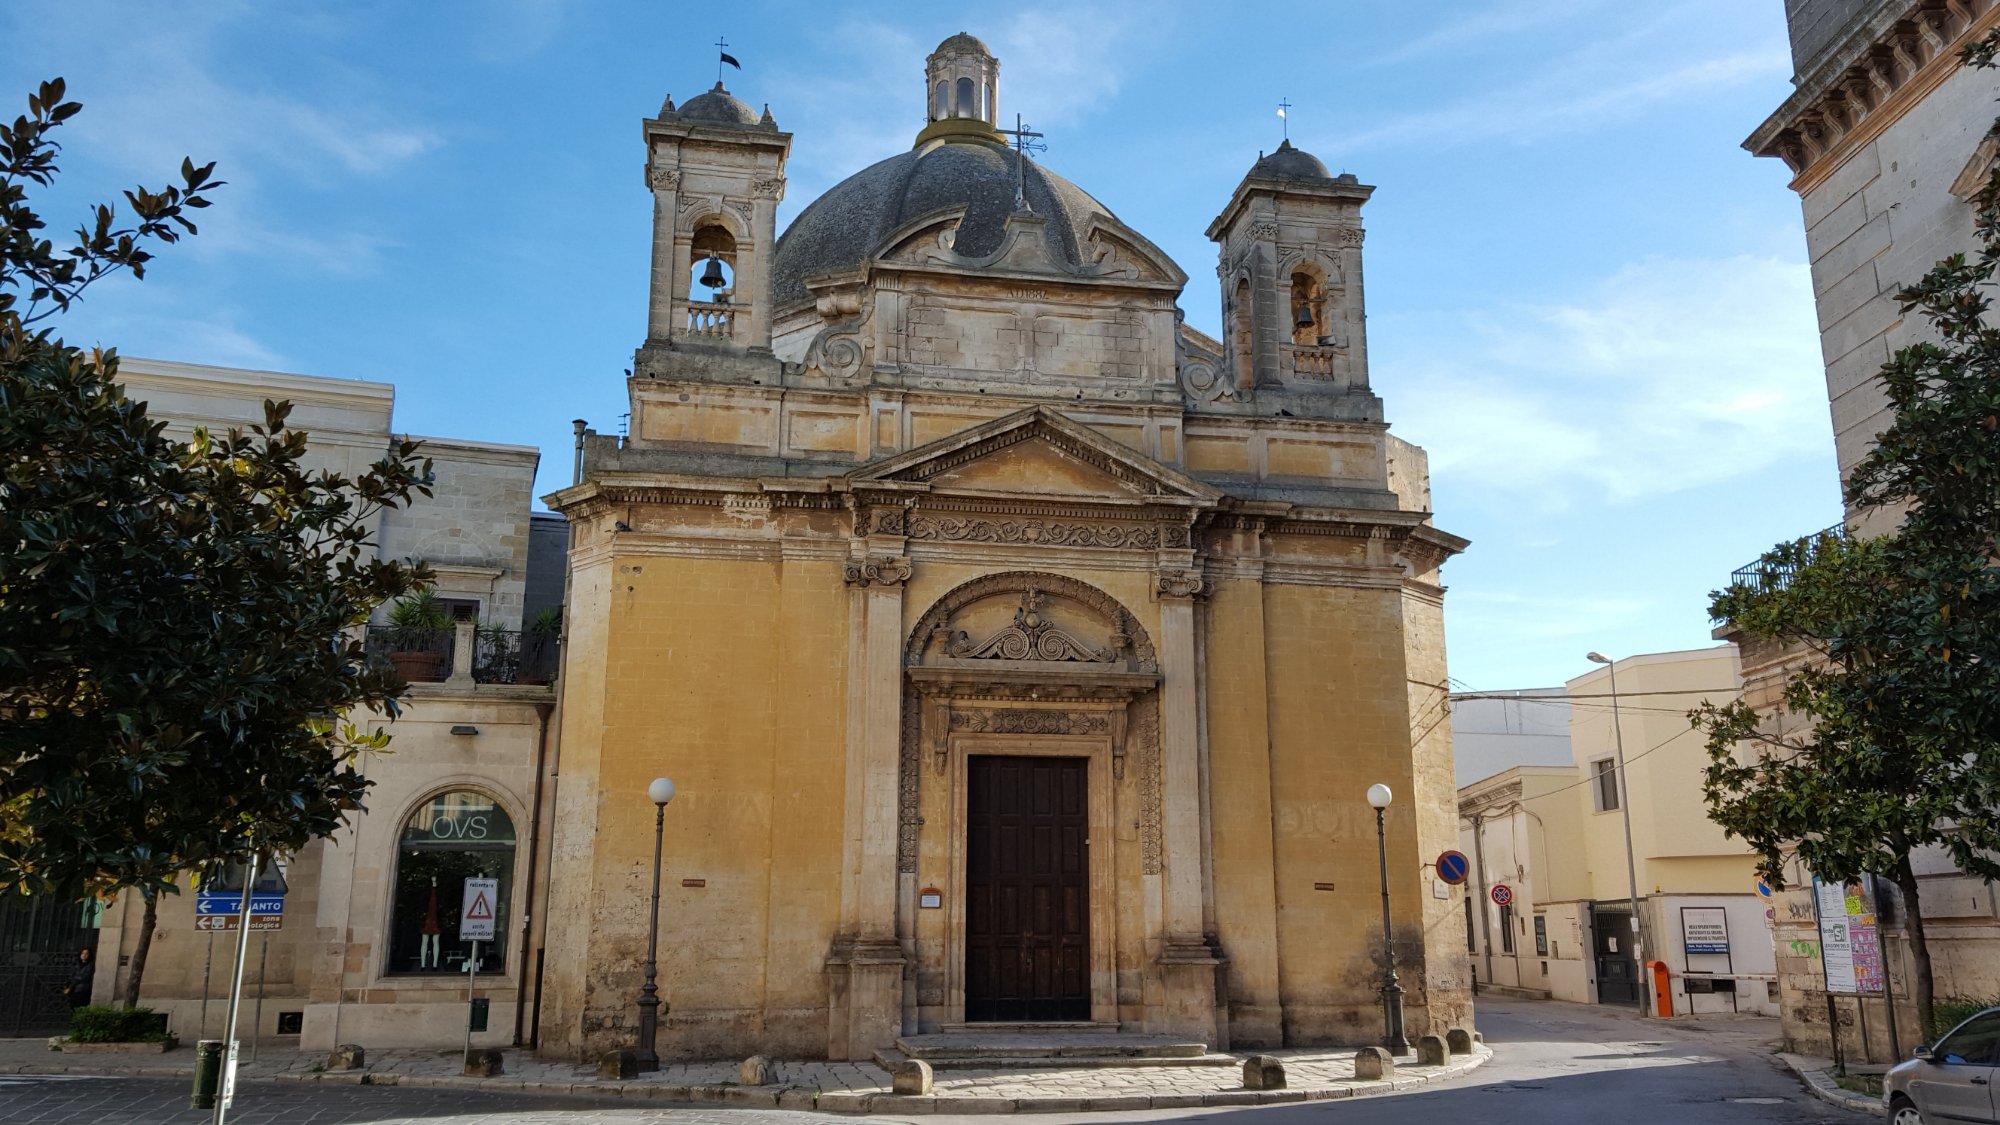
pixel 1031 735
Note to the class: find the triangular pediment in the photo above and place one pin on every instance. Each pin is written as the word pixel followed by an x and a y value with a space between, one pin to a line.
pixel 1037 452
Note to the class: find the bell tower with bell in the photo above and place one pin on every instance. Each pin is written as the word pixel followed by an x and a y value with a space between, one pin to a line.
pixel 1290 265
pixel 716 169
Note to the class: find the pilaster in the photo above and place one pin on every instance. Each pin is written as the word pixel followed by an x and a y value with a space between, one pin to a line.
pixel 1188 963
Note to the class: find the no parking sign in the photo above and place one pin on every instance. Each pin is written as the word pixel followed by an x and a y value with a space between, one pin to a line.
pixel 1503 895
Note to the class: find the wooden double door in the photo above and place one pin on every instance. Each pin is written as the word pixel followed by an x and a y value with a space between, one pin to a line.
pixel 1027 922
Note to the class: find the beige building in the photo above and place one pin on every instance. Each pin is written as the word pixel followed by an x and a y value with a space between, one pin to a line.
pixel 1019 652
pixel 1886 134
pixel 1554 836
pixel 461 791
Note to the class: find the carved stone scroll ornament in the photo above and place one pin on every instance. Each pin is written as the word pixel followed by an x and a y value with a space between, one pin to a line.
pixel 887 520
pixel 1033 636
pixel 1012 720
pixel 1180 584
pixel 665 179
pixel 773 188
pixel 885 570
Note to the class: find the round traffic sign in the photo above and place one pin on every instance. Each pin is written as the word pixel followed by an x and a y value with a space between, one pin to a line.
pixel 1763 889
pixel 1452 867
pixel 1503 895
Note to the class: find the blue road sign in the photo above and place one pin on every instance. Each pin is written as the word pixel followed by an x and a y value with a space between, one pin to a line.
pixel 231 902
pixel 1452 867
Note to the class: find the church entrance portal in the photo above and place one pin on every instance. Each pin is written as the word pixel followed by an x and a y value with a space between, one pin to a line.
pixel 1027 931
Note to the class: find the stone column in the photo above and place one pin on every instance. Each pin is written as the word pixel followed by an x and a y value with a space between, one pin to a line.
pixel 763 228
pixel 866 964
pixel 1187 963
pixel 666 183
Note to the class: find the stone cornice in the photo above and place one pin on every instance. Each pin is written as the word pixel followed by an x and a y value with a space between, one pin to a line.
pixel 1888 65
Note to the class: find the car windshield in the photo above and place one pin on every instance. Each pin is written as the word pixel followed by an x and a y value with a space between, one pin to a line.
pixel 1974 1042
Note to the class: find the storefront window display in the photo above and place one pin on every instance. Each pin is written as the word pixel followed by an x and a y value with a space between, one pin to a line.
pixel 453 837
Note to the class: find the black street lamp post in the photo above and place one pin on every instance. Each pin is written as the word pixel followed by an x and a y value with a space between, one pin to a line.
pixel 661 791
pixel 1392 989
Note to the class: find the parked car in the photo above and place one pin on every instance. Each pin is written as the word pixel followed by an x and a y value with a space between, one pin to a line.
pixel 1951 1080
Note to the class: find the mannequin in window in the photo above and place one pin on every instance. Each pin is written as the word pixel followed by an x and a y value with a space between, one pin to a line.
pixel 427 950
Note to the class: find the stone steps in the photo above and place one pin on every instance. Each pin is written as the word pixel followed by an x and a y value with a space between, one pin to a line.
pixel 1012 1047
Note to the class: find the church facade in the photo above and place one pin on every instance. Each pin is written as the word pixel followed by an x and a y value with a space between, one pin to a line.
pixel 1020 654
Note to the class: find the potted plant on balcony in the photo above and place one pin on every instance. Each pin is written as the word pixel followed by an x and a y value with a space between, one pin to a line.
pixel 496 655
pixel 538 645
pixel 418 626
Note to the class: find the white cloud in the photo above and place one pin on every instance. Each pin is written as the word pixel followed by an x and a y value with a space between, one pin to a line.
pixel 1460 29
pixel 1565 99
pixel 1669 375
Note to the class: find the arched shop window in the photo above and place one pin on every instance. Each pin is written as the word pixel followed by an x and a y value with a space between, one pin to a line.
pixel 452 837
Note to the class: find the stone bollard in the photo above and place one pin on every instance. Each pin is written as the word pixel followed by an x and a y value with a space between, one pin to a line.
pixel 1459 1040
pixel 1262 1072
pixel 1430 1051
pixel 911 1076
pixel 1373 1063
pixel 756 1071
pixel 483 1062
pixel 618 1065
pixel 347 1056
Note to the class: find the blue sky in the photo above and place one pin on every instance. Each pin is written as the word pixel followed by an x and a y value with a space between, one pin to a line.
pixel 1585 299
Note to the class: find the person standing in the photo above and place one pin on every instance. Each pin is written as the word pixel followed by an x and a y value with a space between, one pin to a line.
pixel 80 980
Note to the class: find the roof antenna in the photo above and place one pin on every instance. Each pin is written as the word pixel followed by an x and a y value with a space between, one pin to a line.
pixel 1025 142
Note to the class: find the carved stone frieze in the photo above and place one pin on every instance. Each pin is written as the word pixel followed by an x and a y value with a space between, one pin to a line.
pixel 884 570
pixel 772 188
pixel 887 520
pixel 1054 533
pixel 1020 721
pixel 1144 750
pixel 665 179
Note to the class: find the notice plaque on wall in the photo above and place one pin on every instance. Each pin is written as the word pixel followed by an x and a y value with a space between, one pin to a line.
pixel 1704 929
pixel 930 898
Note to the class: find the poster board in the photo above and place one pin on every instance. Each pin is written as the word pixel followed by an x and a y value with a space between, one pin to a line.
pixel 1850 942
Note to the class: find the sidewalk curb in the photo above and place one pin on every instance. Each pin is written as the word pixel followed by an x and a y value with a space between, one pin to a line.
pixel 856 1101
pixel 834 1101
pixel 1819 1083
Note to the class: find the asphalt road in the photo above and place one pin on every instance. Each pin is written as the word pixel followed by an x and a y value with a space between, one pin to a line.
pixel 1560 1063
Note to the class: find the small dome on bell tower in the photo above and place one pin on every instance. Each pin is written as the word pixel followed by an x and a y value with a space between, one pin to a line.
pixel 961 88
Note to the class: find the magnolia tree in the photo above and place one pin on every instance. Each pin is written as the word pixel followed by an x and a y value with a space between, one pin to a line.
pixel 1900 745
pixel 179 663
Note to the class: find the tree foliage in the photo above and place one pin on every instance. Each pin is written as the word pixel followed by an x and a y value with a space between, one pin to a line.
pixel 1898 746
pixel 179 666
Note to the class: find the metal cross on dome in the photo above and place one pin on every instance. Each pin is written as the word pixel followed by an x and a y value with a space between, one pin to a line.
pixel 1026 141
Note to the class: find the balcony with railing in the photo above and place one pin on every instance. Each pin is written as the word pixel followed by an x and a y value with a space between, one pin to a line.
pixel 714 322
pixel 483 654
pixel 1315 362
pixel 1767 576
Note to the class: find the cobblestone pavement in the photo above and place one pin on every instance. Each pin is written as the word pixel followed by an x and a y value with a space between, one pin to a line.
pixel 76 1100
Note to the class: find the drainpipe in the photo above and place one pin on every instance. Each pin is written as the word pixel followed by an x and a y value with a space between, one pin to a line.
pixel 542 712
pixel 576 474
pixel 1485 915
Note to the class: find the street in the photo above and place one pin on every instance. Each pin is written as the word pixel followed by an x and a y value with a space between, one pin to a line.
pixel 1554 1062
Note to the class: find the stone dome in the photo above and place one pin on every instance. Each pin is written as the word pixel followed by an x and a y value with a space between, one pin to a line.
pixel 1290 163
pixel 849 224
pixel 962 44
pixel 718 106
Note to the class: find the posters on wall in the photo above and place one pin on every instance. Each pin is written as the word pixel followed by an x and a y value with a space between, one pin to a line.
pixel 1850 942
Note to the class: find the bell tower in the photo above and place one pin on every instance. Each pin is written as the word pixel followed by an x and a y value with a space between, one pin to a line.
pixel 716 169
pixel 1290 267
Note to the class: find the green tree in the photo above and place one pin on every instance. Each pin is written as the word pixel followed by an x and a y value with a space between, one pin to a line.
pixel 178 658
pixel 1899 746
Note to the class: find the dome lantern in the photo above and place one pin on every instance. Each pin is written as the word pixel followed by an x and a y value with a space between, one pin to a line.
pixel 961 90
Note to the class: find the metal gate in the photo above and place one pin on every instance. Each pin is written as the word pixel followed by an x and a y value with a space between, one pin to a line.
pixel 1617 968
pixel 39 939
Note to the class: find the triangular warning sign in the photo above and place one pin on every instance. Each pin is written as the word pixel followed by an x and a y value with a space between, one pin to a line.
pixel 480 910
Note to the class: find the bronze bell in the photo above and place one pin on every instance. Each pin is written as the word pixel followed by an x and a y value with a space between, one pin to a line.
pixel 1305 316
pixel 711 276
